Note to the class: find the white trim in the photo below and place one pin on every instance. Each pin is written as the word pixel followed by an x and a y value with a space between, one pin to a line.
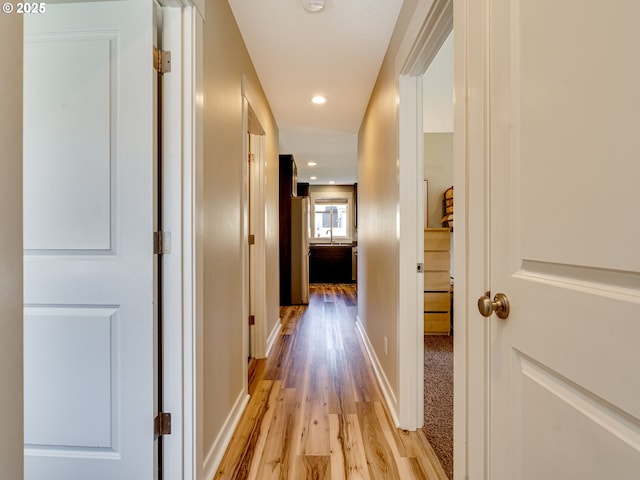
pixel 243 241
pixel 470 237
pixel 182 127
pixel 262 347
pixel 183 120
pixel 385 386
pixel 273 336
pixel 174 318
pixel 199 5
pixel 219 447
pixel 410 253
pixel 432 34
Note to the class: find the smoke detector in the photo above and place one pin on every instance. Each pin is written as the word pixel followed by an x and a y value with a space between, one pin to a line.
pixel 313 5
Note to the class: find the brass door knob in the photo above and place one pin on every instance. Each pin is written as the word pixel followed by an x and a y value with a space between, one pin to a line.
pixel 499 304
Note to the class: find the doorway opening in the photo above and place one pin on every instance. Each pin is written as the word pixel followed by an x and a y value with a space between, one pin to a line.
pixel 437 84
pixel 255 270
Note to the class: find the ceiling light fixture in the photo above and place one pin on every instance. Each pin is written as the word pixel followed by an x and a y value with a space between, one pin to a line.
pixel 311 164
pixel 319 99
pixel 313 6
pixel 313 178
pixel 332 182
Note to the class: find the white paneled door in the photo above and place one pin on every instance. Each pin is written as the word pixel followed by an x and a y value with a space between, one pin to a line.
pixel 88 221
pixel 565 240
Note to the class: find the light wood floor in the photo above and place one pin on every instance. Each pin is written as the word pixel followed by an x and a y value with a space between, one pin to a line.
pixel 316 411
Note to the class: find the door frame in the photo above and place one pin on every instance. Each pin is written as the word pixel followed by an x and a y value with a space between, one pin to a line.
pixel 252 125
pixel 425 34
pixel 411 253
pixel 257 209
pixel 183 164
pixel 471 237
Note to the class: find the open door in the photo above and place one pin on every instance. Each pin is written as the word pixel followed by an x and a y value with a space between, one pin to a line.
pixel 88 224
pixel 565 231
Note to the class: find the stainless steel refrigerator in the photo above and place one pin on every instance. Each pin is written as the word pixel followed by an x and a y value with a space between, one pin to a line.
pixel 299 250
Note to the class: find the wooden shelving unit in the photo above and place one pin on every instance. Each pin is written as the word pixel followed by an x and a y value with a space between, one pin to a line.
pixel 437 281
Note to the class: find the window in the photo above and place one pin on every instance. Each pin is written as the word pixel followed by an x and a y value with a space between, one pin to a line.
pixel 330 218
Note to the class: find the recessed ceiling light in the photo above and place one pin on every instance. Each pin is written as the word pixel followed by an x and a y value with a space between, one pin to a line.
pixel 311 164
pixel 319 100
pixel 332 182
pixel 313 5
pixel 313 178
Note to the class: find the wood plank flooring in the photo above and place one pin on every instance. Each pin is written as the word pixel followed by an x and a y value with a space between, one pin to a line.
pixel 316 411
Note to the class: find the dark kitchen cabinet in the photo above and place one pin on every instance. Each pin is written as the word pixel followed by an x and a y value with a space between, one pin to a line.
pixel 330 264
pixel 288 190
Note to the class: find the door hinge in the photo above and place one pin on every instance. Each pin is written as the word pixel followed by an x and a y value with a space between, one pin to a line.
pixel 252 319
pixel 161 243
pixel 252 239
pixel 252 157
pixel 162 424
pixel 421 268
pixel 161 60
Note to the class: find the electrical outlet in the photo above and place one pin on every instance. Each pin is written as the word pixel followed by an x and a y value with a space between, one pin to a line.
pixel 386 346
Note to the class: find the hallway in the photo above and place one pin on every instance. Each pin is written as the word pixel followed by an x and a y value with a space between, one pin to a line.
pixel 316 411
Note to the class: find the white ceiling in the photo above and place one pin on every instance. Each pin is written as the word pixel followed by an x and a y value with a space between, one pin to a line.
pixel 336 53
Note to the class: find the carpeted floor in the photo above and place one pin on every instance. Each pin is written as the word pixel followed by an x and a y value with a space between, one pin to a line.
pixel 438 397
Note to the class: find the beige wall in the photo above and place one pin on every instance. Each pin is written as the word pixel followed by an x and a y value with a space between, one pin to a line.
pixel 11 370
pixel 378 198
pixel 438 170
pixel 225 62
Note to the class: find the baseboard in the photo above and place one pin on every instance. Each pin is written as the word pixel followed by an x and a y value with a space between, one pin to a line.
pixel 273 336
pixel 219 447
pixel 385 386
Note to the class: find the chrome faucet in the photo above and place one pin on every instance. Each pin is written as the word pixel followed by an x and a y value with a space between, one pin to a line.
pixel 330 232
